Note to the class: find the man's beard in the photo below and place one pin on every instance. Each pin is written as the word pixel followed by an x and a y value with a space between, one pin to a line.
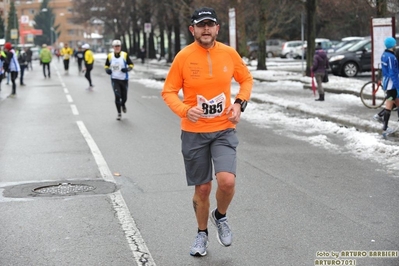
pixel 206 43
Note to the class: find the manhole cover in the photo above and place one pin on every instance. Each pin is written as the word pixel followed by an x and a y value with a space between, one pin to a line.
pixel 63 189
pixel 60 188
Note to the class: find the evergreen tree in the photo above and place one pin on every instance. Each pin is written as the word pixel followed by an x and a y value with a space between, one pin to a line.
pixel 44 20
pixel 12 23
pixel 2 29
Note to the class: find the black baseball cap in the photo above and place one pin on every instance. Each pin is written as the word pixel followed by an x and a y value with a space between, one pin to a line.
pixel 202 14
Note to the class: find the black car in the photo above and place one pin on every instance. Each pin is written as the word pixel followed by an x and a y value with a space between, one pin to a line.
pixel 350 62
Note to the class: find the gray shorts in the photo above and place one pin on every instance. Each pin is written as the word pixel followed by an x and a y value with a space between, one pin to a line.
pixel 201 149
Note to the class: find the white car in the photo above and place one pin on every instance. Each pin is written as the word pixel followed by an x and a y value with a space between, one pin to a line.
pixel 35 53
pixel 326 45
pixel 290 49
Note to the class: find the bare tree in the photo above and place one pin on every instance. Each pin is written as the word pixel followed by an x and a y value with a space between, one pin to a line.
pixel 311 33
pixel 262 26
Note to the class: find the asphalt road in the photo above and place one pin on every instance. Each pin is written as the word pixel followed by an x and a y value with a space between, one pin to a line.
pixel 294 204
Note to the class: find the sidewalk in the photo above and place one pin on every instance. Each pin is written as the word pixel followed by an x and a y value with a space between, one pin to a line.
pixel 293 91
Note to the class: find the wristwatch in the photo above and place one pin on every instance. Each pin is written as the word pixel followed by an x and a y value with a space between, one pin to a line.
pixel 243 104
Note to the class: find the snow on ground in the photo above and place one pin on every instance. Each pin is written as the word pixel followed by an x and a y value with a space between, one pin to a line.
pixel 331 136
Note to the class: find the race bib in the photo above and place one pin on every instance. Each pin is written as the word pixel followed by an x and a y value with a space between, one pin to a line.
pixel 66 56
pixel 115 67
pixel 213 107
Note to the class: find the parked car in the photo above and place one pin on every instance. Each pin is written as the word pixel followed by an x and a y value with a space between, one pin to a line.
pixel 35 53
pixel 326 44
pixel 350 62
pixel 273 48
pixel 345 41
pixel 289 49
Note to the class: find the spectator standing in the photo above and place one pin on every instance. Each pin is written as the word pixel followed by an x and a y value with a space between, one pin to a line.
pixel 23 64
pixel 142 54
pixel 118 64
pixel 66 53
pixel 320 64
pixel 13 67
pixel 3 65
pixel 89 60
pixel 45 58
pixel 29 58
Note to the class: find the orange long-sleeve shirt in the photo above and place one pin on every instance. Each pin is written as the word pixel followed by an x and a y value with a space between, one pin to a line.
pixel 205 76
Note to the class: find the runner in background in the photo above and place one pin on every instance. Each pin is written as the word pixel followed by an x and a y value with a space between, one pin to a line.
pixel 79 58
pixel 118 64
pixel 89 60
pixel 66 53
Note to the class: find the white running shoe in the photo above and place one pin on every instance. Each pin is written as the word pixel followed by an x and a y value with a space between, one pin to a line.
pixel 224 234
pixel 200 245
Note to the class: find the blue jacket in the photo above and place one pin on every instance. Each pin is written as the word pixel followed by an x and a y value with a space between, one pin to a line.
pixel 390 70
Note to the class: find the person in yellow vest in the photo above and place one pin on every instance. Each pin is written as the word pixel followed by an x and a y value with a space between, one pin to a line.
pixel 3 65
pixel 117 65
pixel 89 60
pixel 45 60
pixel 66 53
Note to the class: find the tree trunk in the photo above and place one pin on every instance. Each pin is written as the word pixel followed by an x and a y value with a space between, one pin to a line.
pixel 176 29
pixel 310 33
pixel 262 35
pixel 170 52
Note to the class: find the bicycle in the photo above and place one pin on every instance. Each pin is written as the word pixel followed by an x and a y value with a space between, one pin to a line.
pixel 372 94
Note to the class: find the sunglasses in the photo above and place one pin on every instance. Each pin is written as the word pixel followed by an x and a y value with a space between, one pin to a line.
pixel 117 46
pixel 206 23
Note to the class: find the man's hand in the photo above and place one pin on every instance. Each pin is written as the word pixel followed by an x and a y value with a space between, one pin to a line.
pixel 124 70
pixel 108 71
pixel 194 113
pixel 234 113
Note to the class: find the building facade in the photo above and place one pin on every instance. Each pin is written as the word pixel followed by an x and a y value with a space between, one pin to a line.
pixel 70 32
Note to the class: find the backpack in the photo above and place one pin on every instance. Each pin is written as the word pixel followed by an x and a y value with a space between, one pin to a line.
pixel 23 58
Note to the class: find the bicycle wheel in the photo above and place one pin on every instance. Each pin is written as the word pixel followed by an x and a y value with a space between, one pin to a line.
pixel 366 95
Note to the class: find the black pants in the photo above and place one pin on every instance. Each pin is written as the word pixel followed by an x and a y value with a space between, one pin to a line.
pixel 66 64
pixel 46 65
pixel 120 88
pixel 13 76
pixel 87 74
pixel 80 64
pixel 21 77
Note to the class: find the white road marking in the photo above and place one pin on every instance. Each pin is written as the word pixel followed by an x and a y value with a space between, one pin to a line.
pixel 132 233
pixel 69 98
pixel 74 109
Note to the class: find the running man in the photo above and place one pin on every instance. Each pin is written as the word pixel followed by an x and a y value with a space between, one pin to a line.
pixel 203 71
pixel 118 64
pixel 79 59
pixel 89 60
pixel 66 53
